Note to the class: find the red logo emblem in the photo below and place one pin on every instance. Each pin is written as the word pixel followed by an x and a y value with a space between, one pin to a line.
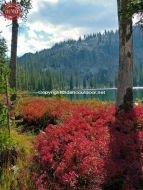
pixel 11 11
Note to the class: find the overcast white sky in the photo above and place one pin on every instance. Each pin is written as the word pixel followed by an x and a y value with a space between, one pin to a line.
pixel 52 21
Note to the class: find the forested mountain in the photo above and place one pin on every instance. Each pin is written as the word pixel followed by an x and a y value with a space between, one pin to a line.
pixel 90 62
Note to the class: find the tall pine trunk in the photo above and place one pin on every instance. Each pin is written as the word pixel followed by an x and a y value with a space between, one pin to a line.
pixel 125 75
pixel 13 60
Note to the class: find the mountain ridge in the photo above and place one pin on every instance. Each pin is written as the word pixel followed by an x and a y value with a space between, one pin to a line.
pixel 88 62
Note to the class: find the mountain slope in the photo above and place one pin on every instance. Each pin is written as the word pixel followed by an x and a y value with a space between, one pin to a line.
pixel 89 62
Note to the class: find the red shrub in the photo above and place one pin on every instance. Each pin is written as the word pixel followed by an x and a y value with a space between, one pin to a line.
pixel 43 111
pixel 92 150
pixel 74 154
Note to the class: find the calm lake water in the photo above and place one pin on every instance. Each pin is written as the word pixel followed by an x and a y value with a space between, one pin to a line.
pixel 104 94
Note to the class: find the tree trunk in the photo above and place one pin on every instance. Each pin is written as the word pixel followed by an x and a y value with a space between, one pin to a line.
pixel 125 75
pixel 13 57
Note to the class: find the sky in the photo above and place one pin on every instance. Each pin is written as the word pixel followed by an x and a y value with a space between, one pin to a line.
pixel 53 21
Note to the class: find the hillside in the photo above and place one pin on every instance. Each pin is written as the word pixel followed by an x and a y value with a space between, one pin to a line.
pixel 87 63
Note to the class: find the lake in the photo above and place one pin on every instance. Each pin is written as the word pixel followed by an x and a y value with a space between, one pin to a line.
pixel 104 94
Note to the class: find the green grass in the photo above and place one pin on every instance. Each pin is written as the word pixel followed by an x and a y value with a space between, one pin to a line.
pixel 17 176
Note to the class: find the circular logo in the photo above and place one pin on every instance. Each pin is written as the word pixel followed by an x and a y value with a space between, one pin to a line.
pixel 11 11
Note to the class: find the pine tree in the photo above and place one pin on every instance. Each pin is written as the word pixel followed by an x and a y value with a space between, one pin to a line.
pixel 71 84
pixel 84 83
pixel 125 76
pixel 25 6
pixel 126 9
pixel 4 110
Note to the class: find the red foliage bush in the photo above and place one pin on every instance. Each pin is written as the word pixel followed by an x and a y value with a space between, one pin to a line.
pixel 92 150
pixel 42 111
